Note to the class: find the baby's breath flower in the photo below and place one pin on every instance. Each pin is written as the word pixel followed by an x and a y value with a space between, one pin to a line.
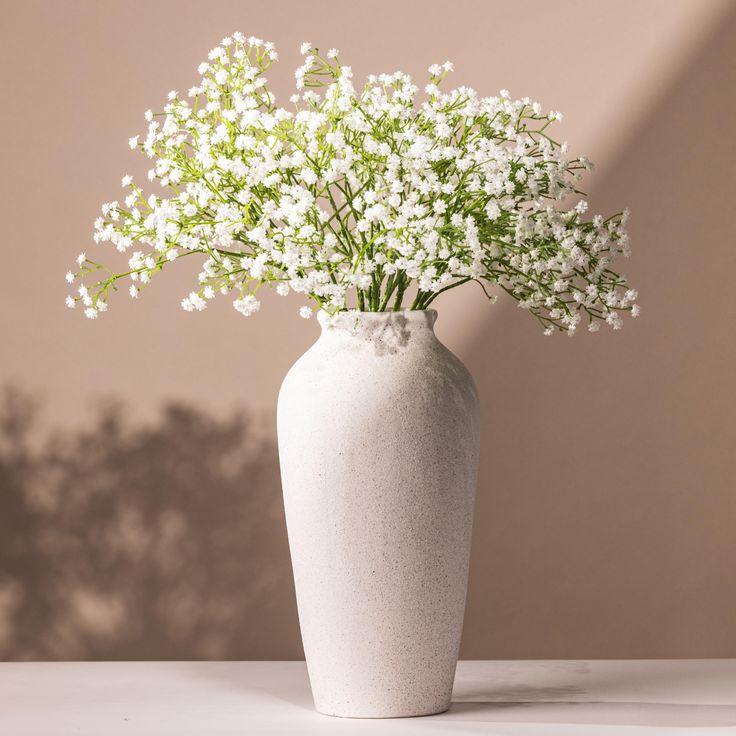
pixel 247 305
pixel 193 302
pixel 352 196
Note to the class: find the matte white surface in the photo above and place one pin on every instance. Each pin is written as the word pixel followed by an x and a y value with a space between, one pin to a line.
pixel 378 427
pixel 564 698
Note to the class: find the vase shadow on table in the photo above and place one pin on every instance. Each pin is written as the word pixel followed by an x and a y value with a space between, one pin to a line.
pixel 133 541
pixel 595 713
pixel 596 695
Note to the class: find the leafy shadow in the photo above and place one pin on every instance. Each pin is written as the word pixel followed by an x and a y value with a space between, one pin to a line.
pixel 129 541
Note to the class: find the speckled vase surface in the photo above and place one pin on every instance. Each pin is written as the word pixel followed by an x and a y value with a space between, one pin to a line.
pixel 378 444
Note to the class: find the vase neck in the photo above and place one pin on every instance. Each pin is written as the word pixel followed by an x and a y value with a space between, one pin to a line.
pixel 388 332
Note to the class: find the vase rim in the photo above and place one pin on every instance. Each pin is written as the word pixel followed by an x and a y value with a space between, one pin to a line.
pixel 355 319
pixel 384 311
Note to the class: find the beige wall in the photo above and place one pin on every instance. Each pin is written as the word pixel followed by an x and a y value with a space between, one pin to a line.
pixel 606 510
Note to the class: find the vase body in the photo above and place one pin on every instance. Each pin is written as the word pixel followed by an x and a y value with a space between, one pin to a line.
pixel 378 444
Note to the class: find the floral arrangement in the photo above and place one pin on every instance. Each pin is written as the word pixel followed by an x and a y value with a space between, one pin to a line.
pixel 364 200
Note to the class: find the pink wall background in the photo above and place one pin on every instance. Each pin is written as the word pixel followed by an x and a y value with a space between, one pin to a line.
pixel 140 510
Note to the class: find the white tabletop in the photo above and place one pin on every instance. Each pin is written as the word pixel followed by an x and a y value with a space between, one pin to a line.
pixel 564 698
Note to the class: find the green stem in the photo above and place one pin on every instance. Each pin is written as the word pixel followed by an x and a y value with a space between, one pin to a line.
pixel 390 288
pixel 400 294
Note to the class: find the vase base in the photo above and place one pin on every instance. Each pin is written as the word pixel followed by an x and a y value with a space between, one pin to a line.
pixel 408 713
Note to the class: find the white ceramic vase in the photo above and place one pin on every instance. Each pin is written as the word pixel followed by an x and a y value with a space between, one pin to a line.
pixel 378 444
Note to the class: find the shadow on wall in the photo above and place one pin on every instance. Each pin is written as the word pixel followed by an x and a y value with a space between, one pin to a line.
pixel 155 542
pixel 606 515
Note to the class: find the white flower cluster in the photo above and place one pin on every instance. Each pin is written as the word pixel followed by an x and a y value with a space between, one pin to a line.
pixel 359 199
